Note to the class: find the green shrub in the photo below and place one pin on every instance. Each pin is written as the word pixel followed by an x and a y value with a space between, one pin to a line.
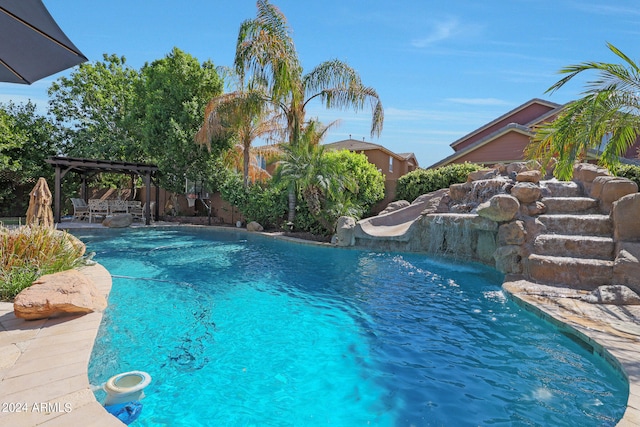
pixel 369 181
pixel 29 252
pixel 631 172
pixel 264 203
pixel 423 181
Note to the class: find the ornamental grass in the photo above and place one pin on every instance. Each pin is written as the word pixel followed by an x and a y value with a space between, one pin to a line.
pixel 28 252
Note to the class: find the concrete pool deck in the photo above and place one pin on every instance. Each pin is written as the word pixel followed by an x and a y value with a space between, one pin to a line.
pixel 43 367
pixel 43 363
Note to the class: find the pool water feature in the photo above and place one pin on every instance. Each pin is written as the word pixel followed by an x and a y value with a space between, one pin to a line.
pixel 239 329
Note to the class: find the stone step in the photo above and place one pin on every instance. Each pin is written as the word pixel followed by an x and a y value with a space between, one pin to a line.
pixel 588 225
pixel 575 273
pixel 555 188
pixel 594 247
pixel 562 205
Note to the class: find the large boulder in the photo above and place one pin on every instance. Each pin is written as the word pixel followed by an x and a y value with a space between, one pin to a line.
pixel 499 208
pixel 345 231
pixel 118 221
pixel 459 192
pixel 511 233
pixel 508 259
pixel 526 192
pixel 625 212
pixel 67 292
pixel 254 226
pixel 586 173
pixel 609 189
pixel 529 176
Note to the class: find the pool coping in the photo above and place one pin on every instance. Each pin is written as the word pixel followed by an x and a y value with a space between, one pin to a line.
pixel 57 392
pixel 44 364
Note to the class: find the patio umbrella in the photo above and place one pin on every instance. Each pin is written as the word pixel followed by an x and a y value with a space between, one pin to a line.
pixel 39 211
pixel 32 46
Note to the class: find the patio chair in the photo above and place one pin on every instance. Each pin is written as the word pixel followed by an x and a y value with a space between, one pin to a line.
pixel 139 212
pixel 80 209
pixel 117 206
pixel 98 208
pixel 135 209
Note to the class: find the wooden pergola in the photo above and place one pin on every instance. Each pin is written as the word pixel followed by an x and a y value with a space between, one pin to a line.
pixel 89 167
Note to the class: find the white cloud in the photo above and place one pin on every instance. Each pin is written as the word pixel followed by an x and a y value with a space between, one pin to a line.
pixel 446 29
pixel 440 31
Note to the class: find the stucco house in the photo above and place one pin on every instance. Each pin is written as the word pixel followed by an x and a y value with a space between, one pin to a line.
pixel 392 165
pixel 504 139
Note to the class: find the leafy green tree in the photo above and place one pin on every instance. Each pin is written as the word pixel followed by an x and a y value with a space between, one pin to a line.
pixel 606 119
pixel 265 53
pixel 369 188
pixel 27 139
pixel 171 96
pixel 92 107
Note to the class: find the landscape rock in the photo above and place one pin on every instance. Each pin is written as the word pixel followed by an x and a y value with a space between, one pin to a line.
pixel 517 167
pixel 526 192
pixel 512 233
pixel 394 206
pixel 67 292
pixel 458 192
pixel 626 226
pixel 118 221
pixel 626 267
pixel 482 174
pixel 533 176
pixel 536 208
pixel 254 226
pixel 345 231
pixel 612 294
pixel 586 173
pixel 614 189
pixel 499 208
pixel 508 259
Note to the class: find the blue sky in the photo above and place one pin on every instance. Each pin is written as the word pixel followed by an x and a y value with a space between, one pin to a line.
pixel 442 69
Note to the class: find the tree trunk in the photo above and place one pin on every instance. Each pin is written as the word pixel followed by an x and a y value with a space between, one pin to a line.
pixel 245 161
pixel 292 203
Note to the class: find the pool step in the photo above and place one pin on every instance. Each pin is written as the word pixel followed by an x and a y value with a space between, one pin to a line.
pixel 577 273
pixel 597 247
pixel 571 205
pixel 586 225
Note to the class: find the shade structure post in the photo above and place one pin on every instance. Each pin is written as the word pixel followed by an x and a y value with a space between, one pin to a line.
pixel 147 185
pixel 56 195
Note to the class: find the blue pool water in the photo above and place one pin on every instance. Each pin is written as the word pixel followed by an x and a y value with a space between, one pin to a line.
pixel 241 330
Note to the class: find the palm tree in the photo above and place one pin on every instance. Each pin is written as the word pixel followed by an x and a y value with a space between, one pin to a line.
pixel 240 114
pixel 606 119
pixel 307 172
pixel 266 51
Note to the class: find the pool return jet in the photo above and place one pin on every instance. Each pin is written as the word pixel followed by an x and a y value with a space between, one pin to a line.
pixel 124 392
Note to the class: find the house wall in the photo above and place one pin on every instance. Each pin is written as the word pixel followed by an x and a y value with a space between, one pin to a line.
pixel 400 167
pixel 633 152
pixel 521 117
pixel 508 147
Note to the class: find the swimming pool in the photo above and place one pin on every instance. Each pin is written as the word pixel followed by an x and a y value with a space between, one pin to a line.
pixel 239 329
